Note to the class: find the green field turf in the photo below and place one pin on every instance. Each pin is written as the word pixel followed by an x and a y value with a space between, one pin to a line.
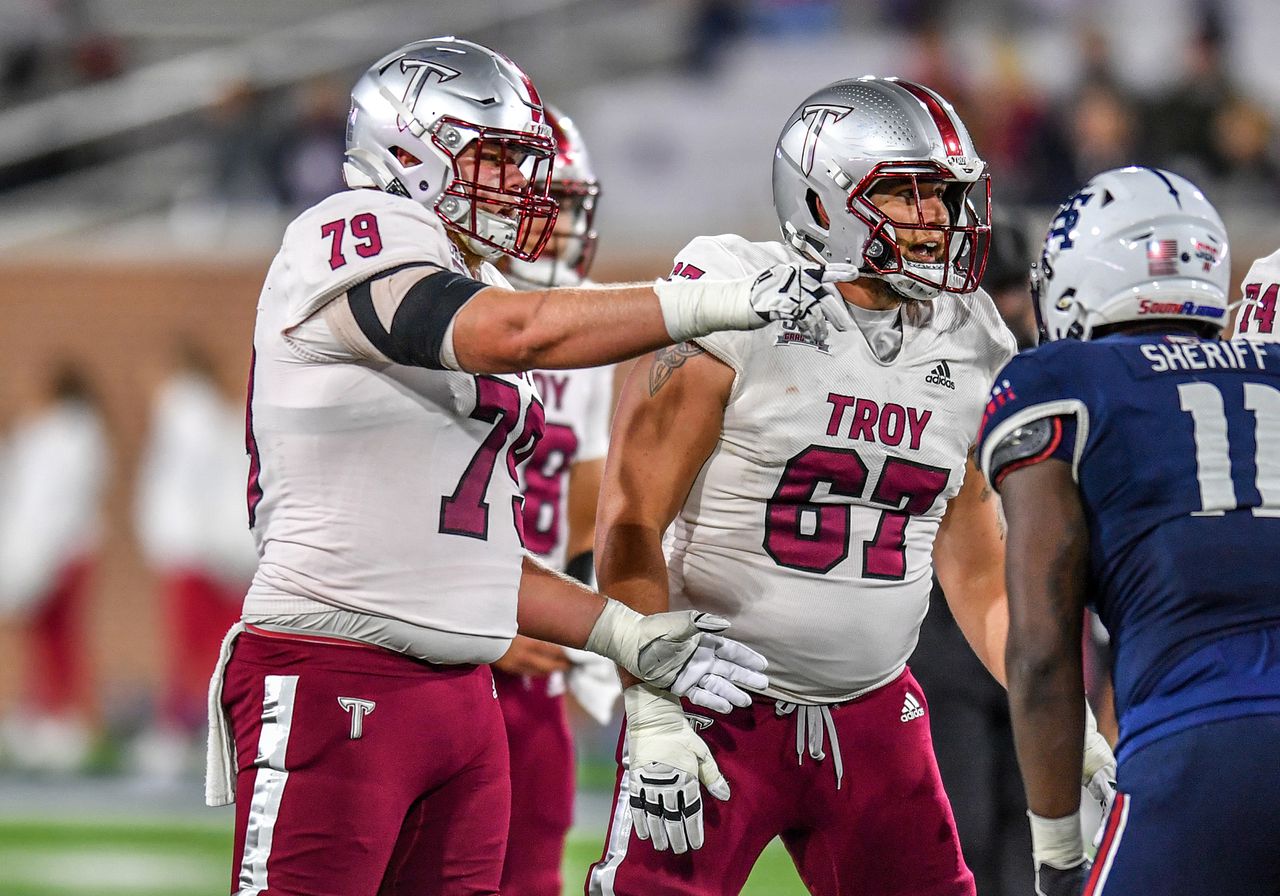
pixel 43 858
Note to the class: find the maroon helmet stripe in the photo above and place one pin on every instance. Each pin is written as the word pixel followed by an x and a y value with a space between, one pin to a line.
pixel 535 101
pixel 533 95
pixel 946 127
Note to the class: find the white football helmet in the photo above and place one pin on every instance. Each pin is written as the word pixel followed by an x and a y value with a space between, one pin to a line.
pixel 567 258
pixel 1132 245
pixel 422 120
pixel 844 142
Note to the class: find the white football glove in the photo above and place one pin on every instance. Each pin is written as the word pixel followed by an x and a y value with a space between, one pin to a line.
pixel 666 762
pixel 1099 770
pixel 1099 763
pixel 796 291
pixel 678 652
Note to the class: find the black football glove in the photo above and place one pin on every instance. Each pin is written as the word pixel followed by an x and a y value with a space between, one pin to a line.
pixel 1051 881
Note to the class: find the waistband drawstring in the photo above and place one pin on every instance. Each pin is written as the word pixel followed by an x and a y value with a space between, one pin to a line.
pixel 814 725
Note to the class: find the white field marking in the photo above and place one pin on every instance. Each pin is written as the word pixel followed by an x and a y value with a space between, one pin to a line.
pixel 110 869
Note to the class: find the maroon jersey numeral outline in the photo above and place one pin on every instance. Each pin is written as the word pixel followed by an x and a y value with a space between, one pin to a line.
pixel 545 480
pixel 466 511
pixel 905 488
pixel 1262 308
pixel 364 229
pixel 251 447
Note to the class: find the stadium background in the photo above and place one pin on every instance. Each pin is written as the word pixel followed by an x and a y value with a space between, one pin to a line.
pixel 151 152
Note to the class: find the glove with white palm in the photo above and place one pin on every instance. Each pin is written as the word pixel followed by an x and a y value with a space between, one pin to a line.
pixel 798 291
pixel 1099 763
pixel 680 652
pixel 1099 770
pixel 666 763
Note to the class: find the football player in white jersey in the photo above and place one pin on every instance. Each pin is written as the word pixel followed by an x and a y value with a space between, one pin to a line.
pixel 1257 315
pixel 560 483
pixel 354 719
pixel 808 488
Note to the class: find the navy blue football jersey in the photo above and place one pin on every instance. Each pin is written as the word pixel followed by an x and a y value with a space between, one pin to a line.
pixel 1174 442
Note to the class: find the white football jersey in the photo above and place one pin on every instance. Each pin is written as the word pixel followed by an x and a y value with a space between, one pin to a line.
pixel 811 525
pixel 577 404
pixel 379 488
pixel 1257 316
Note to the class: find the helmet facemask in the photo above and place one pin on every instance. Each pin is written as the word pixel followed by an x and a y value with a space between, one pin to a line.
pixel 960 243
pixel 499 195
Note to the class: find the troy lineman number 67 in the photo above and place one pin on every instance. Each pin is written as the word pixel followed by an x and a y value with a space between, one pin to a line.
pixel 802 533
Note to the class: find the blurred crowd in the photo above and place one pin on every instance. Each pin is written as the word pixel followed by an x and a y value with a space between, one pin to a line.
pixel 282 147
pixel 57 459
pixel 1204 125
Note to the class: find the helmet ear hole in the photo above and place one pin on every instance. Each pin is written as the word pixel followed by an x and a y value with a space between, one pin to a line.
pixel 816 210
pixel 404 157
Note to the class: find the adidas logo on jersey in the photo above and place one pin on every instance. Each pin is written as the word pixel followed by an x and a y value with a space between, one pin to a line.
pixel 911 708
pixel 941 376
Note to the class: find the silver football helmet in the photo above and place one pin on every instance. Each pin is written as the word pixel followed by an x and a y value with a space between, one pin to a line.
pixel 567 258
pixel 1133 244
pixel 460 129
pixel 852 139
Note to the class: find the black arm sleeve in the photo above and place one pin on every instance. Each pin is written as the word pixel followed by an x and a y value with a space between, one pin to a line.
pixel 419 324
pixel 582 567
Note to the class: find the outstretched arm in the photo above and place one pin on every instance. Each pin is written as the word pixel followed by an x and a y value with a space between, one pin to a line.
pixel 557 328
pixel 424 316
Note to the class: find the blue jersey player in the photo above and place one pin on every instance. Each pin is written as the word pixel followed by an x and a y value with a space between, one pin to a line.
pixel 1138 459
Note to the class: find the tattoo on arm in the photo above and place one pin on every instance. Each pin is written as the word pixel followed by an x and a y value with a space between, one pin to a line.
pixel 665 362
pixel 973 460
pixel 987 493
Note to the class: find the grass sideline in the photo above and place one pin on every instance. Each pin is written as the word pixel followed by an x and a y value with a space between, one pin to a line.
pixel 105 858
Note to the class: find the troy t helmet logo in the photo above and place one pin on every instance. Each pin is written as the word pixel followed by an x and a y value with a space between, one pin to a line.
pixel 816 116
pixel 420 68
pixel 357 709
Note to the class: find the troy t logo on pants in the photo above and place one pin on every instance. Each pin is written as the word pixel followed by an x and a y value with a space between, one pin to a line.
pixel 358 709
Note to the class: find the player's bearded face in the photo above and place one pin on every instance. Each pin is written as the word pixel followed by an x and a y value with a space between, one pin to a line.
pixel 493 169
pixel 564 229
pixel 917 211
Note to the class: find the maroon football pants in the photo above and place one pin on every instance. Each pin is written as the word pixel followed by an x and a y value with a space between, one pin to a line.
pixel 542 785
pixel 361 771
pixel 887 830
